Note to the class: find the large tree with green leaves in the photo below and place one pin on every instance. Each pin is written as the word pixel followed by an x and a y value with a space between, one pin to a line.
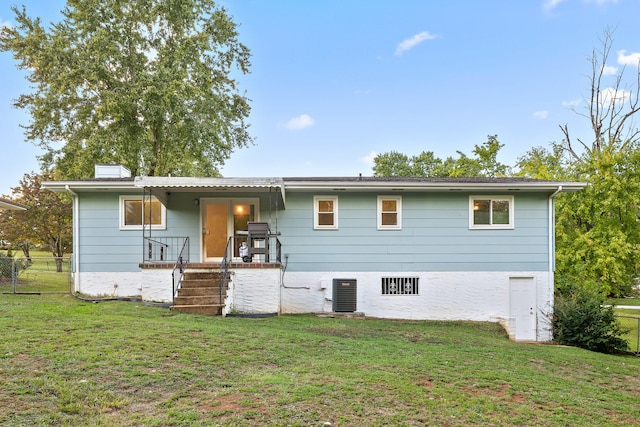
pixel 150 84
pixel 598 228
pixel 47 220
pixel 483 163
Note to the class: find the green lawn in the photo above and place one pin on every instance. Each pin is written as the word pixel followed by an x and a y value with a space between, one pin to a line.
pixel 39 275
pixel 66 362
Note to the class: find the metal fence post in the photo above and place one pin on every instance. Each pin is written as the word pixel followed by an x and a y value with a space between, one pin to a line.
pixel 14 275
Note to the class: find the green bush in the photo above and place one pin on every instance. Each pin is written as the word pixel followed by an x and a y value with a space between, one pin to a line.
pixel 582 320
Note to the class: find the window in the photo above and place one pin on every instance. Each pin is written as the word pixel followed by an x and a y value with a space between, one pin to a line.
pixel 491 212
pixel 134 208
pixel 400 286
pixel 389 212
pixel 325 212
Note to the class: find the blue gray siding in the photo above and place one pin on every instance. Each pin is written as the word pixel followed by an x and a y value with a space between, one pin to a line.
pixel 104 247
pixel 435 236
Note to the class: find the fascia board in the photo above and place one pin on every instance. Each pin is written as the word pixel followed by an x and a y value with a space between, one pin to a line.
pixel 434 186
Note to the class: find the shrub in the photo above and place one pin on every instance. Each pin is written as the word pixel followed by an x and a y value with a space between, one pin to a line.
pixel 582 320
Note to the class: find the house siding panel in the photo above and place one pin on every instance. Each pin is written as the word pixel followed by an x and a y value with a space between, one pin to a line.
pixel 434 237
pixel 106 248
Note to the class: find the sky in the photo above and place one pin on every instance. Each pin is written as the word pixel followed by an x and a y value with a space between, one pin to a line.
pixel 333 83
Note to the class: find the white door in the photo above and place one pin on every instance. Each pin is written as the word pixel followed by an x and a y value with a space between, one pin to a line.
pixel 522 307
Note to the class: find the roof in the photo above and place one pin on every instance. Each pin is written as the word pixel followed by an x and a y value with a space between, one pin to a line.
pixel 11 205
pixel 430 184
pixel 161 186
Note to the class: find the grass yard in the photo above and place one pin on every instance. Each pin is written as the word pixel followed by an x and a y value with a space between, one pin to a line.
pixel 40 275
pixel 66 362
pixel 629 320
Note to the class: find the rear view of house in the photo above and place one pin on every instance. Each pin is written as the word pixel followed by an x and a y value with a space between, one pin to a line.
pixel 407 248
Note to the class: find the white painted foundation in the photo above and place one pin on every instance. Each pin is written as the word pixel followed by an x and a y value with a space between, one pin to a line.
pixel 153 285
pixel 474 296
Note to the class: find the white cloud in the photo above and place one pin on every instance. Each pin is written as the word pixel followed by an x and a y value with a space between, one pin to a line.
pixel 609 70
pixel 368 159
pixel 541 115
pixel 631 59
pixel 609 96
pixel 300 122
pixel 572 103
pixel 5 24
pixel 413 41
pixel 549 5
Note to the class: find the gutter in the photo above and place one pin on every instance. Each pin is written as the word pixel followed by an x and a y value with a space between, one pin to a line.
pixel 552 229
pixel 552 241
pixel 76 229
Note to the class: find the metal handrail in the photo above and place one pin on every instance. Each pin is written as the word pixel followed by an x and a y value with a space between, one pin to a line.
pixel 162 249
pixel 224 266
pixel 179 267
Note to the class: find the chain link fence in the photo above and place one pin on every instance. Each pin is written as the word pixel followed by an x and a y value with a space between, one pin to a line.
pixel 35 275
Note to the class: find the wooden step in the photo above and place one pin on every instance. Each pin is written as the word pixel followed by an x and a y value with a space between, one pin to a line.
pixel 199 292
pixel 200 283
pixel 210 309
pixel 197 300
pixel 195 292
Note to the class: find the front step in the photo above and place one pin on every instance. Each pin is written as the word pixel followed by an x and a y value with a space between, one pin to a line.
pixel 199 293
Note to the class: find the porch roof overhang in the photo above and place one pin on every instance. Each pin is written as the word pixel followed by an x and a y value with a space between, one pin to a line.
pixel 161 186
pixel 431 184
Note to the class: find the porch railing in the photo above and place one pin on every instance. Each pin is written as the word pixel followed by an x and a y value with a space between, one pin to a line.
pixel 224 266
pixel 165 249
pixel 181 264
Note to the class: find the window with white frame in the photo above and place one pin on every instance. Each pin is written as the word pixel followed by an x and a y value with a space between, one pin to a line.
pixel 138 211
pixel 489 212
pixel 389 212
pixel 325 212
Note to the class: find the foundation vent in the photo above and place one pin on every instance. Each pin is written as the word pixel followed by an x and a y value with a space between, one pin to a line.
pixel 400 286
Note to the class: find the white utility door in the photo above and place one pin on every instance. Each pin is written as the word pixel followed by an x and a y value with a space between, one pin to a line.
pixel 522 307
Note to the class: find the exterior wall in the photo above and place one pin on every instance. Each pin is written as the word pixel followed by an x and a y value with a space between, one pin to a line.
pixel 464 274
pixel 435 236
pixel 473 296
pixel 108 284
pixel 153 285
pixel 103 247
pixel 254 290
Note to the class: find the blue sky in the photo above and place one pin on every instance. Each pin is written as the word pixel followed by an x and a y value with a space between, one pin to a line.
pixel 334 82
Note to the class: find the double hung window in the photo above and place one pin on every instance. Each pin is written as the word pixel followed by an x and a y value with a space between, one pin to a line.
pixel 489 212
pixel 325 212
pixel 137 212
pixel 389 212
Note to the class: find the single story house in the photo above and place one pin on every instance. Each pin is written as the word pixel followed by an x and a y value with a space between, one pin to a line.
pixel 478 249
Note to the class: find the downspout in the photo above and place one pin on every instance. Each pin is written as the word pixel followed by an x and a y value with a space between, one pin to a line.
pixel 76 236
pixel 552 252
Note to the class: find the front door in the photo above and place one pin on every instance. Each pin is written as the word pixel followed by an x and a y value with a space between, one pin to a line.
pixel 522 306
pixel 224 219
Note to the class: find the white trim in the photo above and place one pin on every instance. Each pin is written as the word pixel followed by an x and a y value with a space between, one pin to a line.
pixel 398 224
pixel 491 226
pixel 123 226
pixel 316 212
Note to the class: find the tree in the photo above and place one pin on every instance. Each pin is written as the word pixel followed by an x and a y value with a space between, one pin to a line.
pixel 47 219
pixel 426 164
pixel 598 228
pixel 148 85
pixel 610 110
